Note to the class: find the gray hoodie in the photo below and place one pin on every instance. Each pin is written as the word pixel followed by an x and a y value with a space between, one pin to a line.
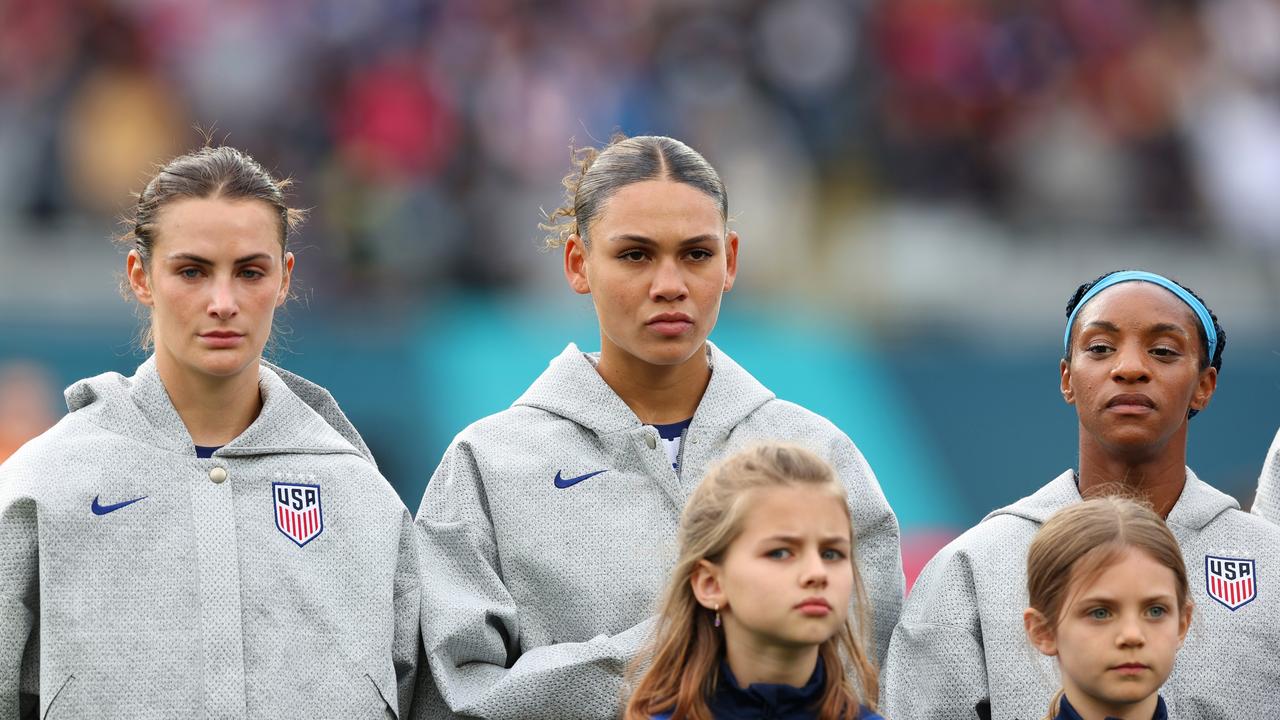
pixel 138 581
pixel 960 639
pixel 549 529
pixel 1267 502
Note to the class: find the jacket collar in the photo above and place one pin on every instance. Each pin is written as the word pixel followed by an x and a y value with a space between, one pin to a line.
pixel 1196 507
pixel 572 388
pixel 296 416
pixel 1068 712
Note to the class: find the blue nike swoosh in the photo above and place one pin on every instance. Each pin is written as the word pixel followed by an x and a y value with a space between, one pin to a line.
pixel 104 509
pixel 563 483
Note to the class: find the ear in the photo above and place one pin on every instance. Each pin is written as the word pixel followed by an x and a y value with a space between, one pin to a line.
pixel 1039 632
pixel 1068 393
pixel 1184 621
pixel 730 260
pixel 575 265
pixel 1204 389
pixel 286 278
pixel 705 582
pixel 139 281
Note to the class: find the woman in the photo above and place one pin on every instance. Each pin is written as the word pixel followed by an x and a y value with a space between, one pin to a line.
pixel 209 537
pixel 548 529
pixel 1141 355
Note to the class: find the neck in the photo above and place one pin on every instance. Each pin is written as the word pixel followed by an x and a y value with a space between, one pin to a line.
pixel 1093 709
pixel 655 393
pixel 1159 476
pixel 214 409
pixel 759 663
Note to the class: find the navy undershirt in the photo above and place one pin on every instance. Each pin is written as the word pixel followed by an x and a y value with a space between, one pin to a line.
pixel 671 435
pixel 206 451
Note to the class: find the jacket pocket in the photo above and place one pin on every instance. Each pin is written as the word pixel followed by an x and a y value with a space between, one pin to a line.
pixel 59 700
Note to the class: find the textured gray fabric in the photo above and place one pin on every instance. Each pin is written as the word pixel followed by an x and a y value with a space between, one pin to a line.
pixel 1267 502
pixel 535 598
pixel 190 603
pixel 961 639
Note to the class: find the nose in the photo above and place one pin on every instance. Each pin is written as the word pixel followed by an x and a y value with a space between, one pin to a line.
pixel 813 571
pixel 668 282
pixel 222 299
pixel 1129 633
pixel 1130 364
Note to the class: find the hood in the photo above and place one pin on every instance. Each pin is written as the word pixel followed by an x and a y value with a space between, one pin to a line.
pixel 1197 506
pixel 297 415
pixel 572 388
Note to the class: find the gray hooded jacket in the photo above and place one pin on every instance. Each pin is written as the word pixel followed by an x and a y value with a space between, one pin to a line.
pixel 960 639
pixel 548 532
pixel 138 581
pixel 1267 502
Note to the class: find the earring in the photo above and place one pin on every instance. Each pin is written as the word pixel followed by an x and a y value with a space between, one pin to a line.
pixel 717 623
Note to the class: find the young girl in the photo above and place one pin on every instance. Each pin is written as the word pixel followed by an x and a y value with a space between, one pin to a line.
pixel 209 537
pixel 754 622
pixel 1110 599
pixel 548 528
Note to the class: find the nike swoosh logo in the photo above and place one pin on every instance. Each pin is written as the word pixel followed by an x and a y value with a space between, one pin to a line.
pixel 563 483
pixel 104 509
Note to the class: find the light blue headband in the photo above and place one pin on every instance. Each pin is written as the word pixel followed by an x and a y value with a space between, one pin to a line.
pixel 1202 312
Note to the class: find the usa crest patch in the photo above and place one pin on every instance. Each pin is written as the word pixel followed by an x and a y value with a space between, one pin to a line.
pixel 298 512
pixel 1231 581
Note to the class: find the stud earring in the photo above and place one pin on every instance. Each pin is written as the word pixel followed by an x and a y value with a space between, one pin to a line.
pixel 717 623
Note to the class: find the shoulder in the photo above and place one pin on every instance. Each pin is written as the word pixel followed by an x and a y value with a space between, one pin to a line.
pixel 520 426
pixel 994 547
pixel 1256 529
pixel 865 713
pixel 72 438
pixel 786 421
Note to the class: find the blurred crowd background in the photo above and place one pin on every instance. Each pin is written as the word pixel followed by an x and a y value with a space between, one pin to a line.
pixel 919 184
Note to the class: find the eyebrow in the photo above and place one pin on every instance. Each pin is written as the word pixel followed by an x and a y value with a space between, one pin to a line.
pixel 191 257
pixel 1108 600
pixel 796 539
pixel 642 240
pixel 1156 329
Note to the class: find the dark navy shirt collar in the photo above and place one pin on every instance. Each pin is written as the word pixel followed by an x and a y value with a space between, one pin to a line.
pixel 766 700
pixel 1067 712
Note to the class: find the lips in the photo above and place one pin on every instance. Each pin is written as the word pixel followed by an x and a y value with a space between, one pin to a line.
pixel 813 606
pixel 1130 668
pixel 670 324
pixel 221 338
pixel 1131 400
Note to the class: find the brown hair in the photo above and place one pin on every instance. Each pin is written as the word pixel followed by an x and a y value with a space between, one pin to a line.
pixel 208 173
pixel 685 653
pixel 1078 543
pixel 598 174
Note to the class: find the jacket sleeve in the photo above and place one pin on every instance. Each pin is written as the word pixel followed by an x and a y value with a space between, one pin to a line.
pixel 1267 502
pixel 406 650
pixel 936 669
pixel 19 598
pixel 471 623
pixel 878 543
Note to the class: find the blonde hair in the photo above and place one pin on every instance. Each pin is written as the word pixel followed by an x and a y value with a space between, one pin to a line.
pixel 684 656
pixel 1078 543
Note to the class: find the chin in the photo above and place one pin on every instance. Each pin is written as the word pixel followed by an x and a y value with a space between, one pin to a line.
pixel 674 352
pixel 224 366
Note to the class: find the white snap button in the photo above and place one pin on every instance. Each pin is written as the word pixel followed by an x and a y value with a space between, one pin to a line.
pixel 218 474
pixel 650 441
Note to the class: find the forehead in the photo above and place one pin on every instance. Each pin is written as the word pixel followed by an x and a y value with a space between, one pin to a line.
pixel 800 511
pixel 1133 572
pixel 656 209
pixel 218 221
pixel 1138 305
